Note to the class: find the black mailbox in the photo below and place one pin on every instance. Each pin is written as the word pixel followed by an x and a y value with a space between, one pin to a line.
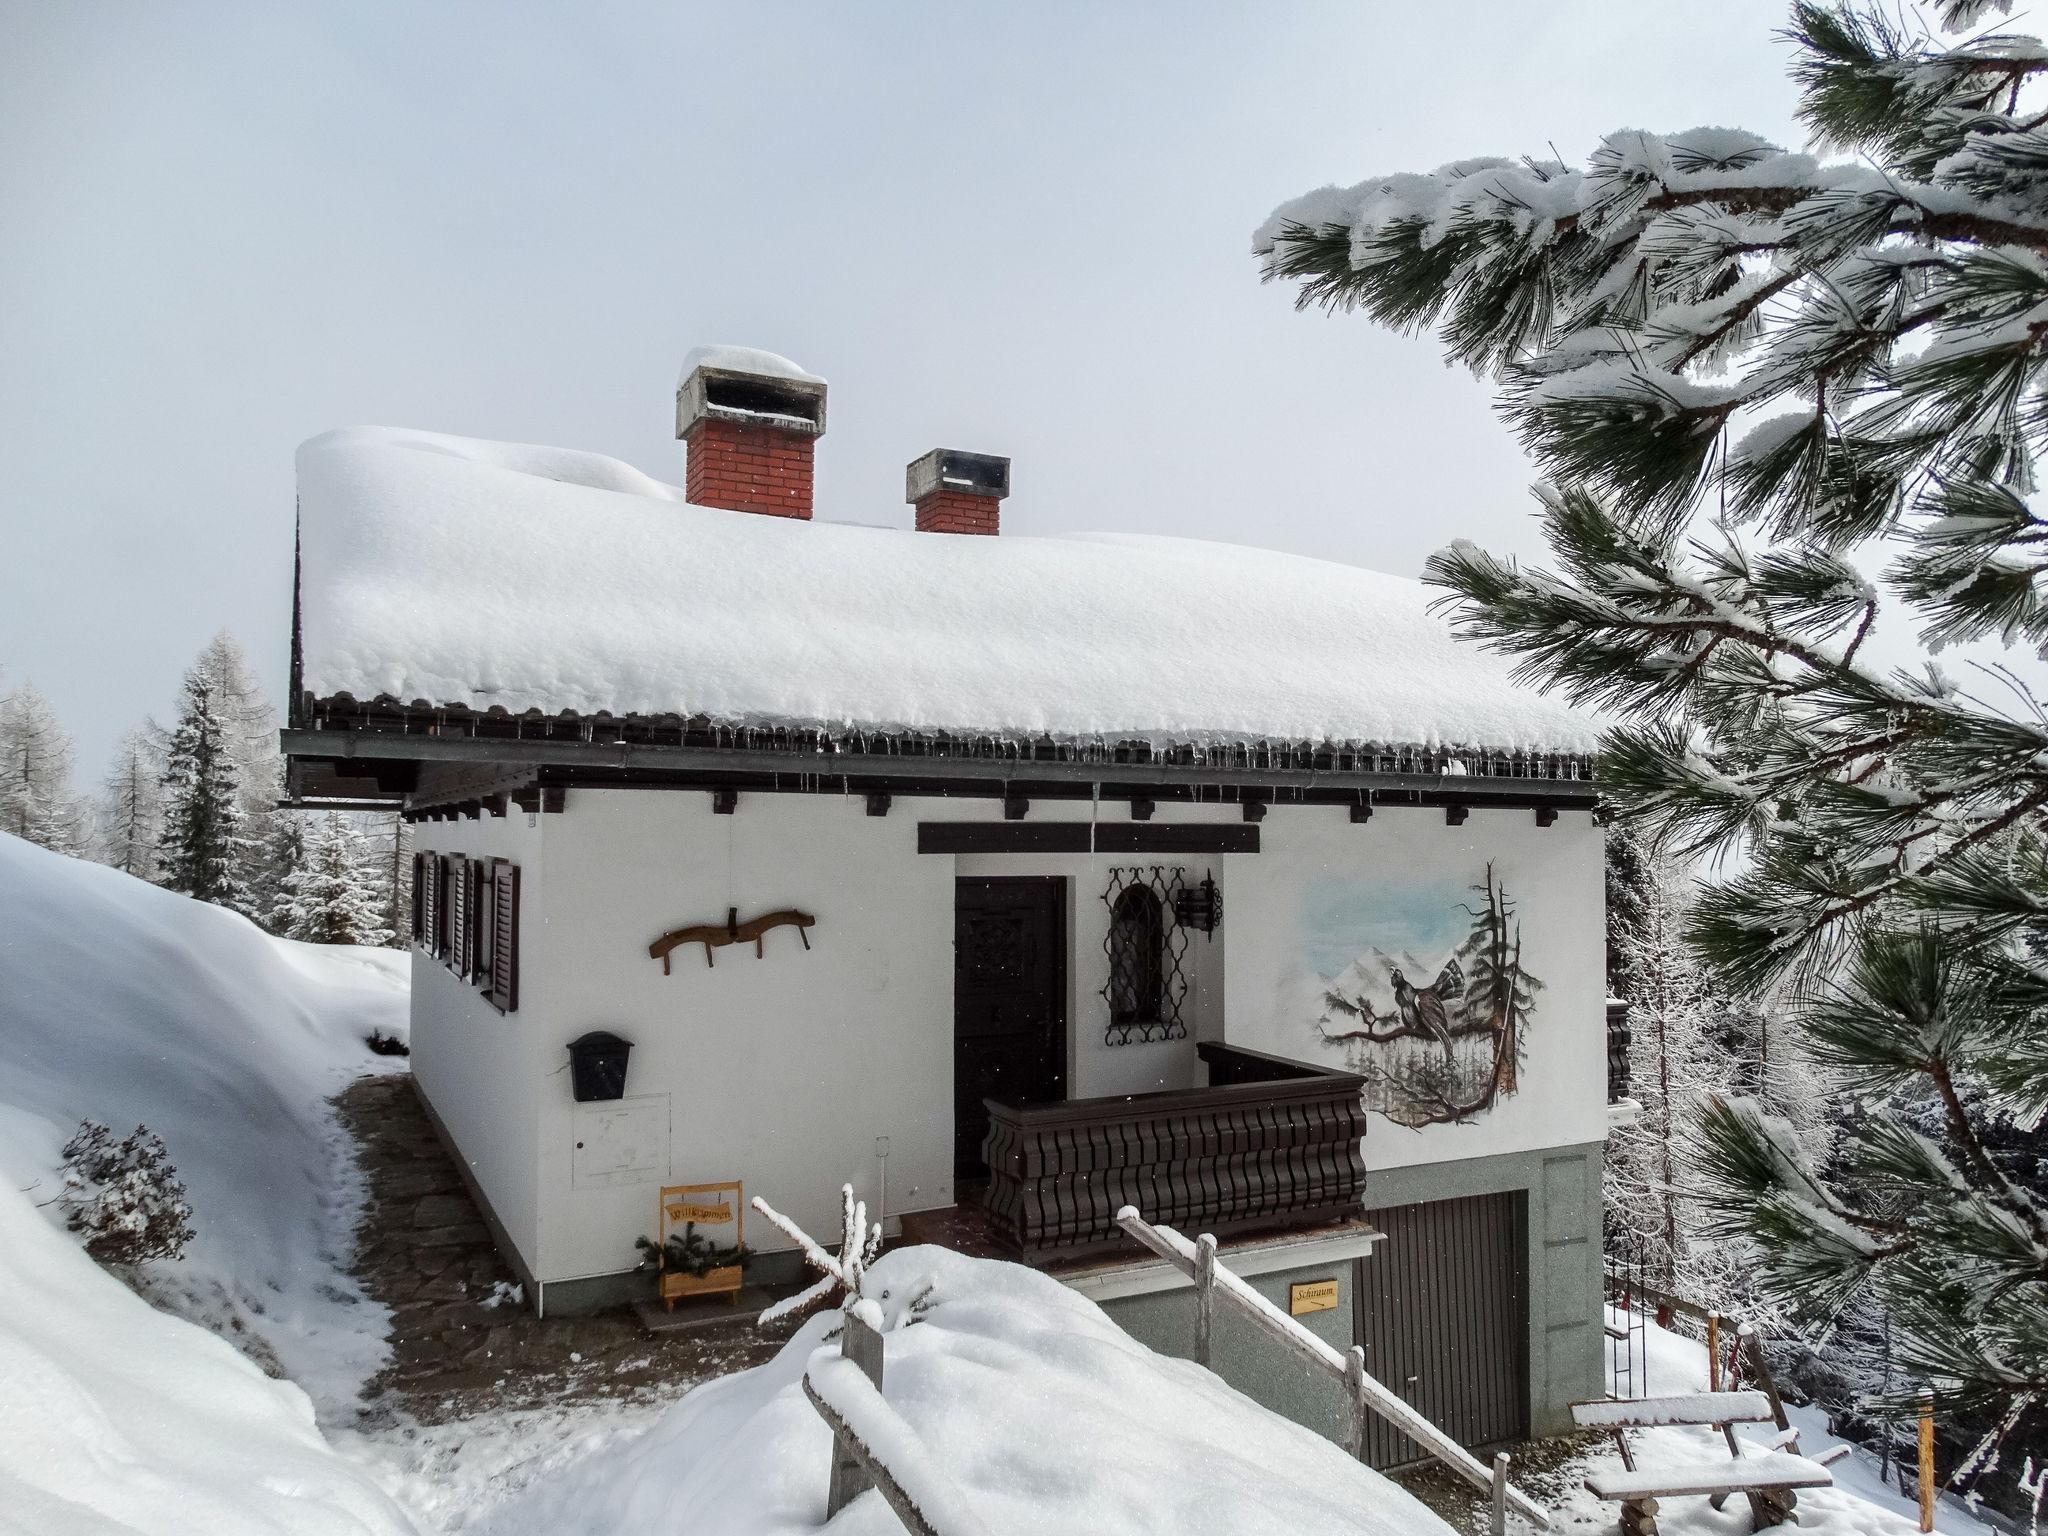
pixel 597 1066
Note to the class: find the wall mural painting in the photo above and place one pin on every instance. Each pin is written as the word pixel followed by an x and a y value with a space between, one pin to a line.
pixel 1421 986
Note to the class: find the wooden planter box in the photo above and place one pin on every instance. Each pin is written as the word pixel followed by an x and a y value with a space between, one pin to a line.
pixel 704 1205
pixel 726 1280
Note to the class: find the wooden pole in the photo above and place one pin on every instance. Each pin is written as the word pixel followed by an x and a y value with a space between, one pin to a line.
pixel 1205 1296
pixel 1500 1493
pixel 850 1476
pixel 1926 1459
pixel 1713 1351
pixel 1354 1402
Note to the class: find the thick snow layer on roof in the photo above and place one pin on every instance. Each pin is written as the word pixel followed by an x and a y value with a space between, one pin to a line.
pixel 1013 1392
pixel 772 365
pixel 472 573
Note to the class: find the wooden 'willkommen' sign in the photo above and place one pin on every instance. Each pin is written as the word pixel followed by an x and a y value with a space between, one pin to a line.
pixel 1312 1296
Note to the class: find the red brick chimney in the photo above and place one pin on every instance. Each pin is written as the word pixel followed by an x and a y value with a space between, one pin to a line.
pixel 957 492
pixel 750 421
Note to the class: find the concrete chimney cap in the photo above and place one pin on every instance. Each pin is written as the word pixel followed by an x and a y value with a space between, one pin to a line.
pixel 954 469
pixel 751 388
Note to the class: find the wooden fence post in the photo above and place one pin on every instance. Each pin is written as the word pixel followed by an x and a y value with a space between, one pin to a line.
pixel 1760 1371
pixel 1205 1296
pixel 1927 1488
pixel 1354 1402
pixel 1500 1493
pixel 863 1346
pixel 1713 1351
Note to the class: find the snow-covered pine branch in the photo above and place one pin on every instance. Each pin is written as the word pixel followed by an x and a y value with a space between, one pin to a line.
pixel 1791 401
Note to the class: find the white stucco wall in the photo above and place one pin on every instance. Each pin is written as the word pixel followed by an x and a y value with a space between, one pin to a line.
pixel 784 1071
pixel 1555 877
pixel 480 1069
pixel 781 1071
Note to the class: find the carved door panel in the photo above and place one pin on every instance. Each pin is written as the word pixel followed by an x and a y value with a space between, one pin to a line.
pixel 1009 1004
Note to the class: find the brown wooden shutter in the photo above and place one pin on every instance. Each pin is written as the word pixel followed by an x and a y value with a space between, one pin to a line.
pixel 486 924
pixel 472 916
pixel 419 897
pixel 458 914
pixel 503 987
pixel 440 945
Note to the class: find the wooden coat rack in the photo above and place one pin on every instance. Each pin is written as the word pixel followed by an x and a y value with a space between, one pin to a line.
pixel 713 936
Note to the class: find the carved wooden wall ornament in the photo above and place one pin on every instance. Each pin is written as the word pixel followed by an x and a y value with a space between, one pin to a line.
pixel 733 931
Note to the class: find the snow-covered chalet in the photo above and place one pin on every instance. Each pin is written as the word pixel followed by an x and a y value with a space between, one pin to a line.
pixel 1010 880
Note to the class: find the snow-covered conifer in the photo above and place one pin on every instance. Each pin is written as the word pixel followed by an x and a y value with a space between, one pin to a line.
pixel 1787 402
pixel 36 761
pixel 203 850
pixel 334 896
pixel 249 727
pixel 128 821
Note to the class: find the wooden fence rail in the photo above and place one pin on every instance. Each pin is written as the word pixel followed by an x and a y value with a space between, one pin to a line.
pixel 1363 1392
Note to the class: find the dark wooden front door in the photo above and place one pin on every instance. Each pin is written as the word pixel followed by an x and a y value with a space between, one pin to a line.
pixel 1009 1003
pixel 1444 1317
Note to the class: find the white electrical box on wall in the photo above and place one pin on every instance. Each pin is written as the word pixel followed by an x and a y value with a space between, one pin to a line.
pixel 624 1141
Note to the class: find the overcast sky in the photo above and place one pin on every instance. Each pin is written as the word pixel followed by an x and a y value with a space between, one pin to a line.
pixel 224 228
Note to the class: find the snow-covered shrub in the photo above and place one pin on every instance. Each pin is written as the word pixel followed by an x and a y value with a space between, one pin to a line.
pixel 125 1197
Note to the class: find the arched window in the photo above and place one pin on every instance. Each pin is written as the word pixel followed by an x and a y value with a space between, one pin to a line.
pixel 1137 972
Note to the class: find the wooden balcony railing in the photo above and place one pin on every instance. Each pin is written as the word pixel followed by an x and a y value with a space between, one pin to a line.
pixel 1270 1143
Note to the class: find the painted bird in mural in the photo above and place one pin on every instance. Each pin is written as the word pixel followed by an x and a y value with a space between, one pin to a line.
pixel 1422 1008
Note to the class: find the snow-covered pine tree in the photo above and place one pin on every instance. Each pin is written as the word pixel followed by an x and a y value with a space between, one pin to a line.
pixel 249 725
pixel 36 761
pixel 287 854
pixel 202 852
pixel 1754 375
pixel 128 822
pixel 1681 1057
pixel 335 896
pixel 390 844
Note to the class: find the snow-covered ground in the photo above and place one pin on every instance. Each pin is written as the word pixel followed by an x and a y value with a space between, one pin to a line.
pixel 129 1004
pixel 1045 1414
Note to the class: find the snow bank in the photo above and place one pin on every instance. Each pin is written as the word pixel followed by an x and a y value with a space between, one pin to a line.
pixel 129 1004
pixel 115 1418
pixel 1045 1414
pixel 465 572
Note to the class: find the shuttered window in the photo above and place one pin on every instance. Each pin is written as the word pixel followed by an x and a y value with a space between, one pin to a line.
pixel 487 923
pixel 419 897
pixel 438 934
pixel 501 985
pixel 473 917
pixel 456 954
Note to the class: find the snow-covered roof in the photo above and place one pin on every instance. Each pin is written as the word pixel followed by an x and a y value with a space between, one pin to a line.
pixel 483 574
pixel 768 365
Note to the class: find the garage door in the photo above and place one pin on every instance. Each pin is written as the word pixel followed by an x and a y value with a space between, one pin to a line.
pixel 1443 1314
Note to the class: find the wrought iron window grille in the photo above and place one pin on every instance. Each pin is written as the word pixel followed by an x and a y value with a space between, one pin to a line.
pixel 1147 945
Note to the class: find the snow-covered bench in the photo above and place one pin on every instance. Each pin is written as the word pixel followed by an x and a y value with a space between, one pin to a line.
pixel 1768 1481
pixel 1695 1408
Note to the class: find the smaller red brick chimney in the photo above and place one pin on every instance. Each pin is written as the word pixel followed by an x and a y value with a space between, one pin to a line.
pixel 956 492
pixel 750 422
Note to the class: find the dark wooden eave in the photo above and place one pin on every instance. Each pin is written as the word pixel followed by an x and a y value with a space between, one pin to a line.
pixel 421 769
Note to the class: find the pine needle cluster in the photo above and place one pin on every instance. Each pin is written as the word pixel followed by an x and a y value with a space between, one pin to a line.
pixel 1781 395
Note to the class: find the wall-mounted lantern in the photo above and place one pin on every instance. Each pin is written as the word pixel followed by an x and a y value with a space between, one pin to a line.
pixel 597 1066
pixel 1199 907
